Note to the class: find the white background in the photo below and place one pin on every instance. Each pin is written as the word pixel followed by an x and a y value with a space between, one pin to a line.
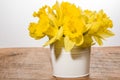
pixel 15 16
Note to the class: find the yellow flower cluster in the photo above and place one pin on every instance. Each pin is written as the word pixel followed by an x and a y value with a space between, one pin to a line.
pixel 76 26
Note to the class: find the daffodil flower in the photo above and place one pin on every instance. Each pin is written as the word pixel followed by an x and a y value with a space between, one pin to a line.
pixel 67 23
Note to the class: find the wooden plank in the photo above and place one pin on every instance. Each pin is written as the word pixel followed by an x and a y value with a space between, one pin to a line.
pixel 34 64
pixel 25 63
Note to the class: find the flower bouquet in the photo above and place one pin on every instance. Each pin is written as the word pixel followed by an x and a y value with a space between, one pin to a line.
pixel 65 23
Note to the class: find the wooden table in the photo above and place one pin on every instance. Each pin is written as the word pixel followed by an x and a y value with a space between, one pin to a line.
pixel 34 64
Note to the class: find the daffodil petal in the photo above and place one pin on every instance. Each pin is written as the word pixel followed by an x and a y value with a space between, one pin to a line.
pixel 79 40
pixel 106 34
pixel 60 33
pixel 94 28
pixel 98 40
pixel 50 42
pixel 68 43
pixel 57 37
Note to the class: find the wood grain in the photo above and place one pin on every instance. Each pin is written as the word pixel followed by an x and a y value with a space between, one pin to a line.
pixel 34 64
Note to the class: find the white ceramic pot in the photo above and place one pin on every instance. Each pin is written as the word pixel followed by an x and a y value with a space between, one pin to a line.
pixel 72 64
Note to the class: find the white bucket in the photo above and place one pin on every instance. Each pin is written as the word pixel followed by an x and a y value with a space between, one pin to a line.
pixel 72 64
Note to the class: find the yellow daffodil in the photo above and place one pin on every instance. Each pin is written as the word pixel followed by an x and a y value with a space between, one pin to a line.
pixel 70 24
